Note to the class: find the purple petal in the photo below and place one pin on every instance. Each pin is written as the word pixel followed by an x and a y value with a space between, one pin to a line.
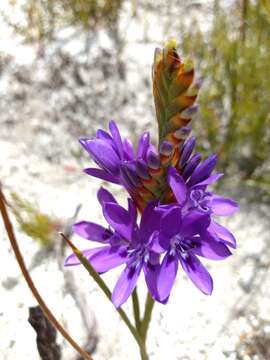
pixel 104 135
pixel 151 274
pixel 187 150
pixel 194 222
pixel 177 185
pixel 166 276
pixel 166 148
pixel 171 222
pixel 125 285
pixel 153 258
pixel 91 231
pixel 105 196
pixel 108 258
pixel 117 138
pixel 211 248
pixel 128 149
pixel 191 165
pixel 72 259
pixel 222 206
pixel 132 210
pixel 151 148
pixel 203 171
pixel 150 222
pixel 197 273
pixel 210 180
pixel 83 142
pixel 125 179
pixel 153 160
pixel 158 243
pixel 129 169
pixel 143 146
pixel 119 219
pixel 222 233
pixel 101 174
pixel 104 155
pixel 163 242
pixel 142 169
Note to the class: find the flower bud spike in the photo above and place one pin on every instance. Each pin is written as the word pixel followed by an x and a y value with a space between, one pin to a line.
pixel 182 133
pixel 173 90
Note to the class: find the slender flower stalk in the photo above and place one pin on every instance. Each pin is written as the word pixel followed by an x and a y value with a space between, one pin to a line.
pixel 136 309
pixel 149 305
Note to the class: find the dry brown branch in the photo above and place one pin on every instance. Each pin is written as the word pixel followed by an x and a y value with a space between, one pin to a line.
pixel 30 283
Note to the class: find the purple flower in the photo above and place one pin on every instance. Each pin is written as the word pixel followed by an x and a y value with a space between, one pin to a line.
pixel 196 197
pixel 116 157
pixel 123 242
pixel 184 237
pixel 143 254
pixel 114 250
pixel 193 193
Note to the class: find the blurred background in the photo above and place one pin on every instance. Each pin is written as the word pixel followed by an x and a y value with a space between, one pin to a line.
pixel 66 68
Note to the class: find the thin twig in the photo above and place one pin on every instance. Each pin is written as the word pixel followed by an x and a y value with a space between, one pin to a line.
pixel 28 279
pixel 47 347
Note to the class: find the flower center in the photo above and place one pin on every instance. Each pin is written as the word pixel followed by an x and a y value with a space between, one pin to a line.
pixel 137 256
pixel 199 200
pixel 181 245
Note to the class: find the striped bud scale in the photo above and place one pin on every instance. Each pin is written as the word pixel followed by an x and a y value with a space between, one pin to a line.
pixel 171 59
pixel 153 160
pixel 194 88
pixel 189 112
pixel 166 148
pixel 146 194
pixel 157 174
pixel 180 103
pixel 183 79
pixel 142 169
pixel 150 184
pixel 176 156
pixel 188 66
pixel 182 133
pixel 177 121
pixel 170 137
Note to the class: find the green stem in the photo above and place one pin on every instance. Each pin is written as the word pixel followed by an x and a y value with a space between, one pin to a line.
pixel 136 309
pixel 149 304
pixel 107 292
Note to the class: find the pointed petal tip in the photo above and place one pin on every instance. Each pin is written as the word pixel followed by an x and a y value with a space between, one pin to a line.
pixel 71 260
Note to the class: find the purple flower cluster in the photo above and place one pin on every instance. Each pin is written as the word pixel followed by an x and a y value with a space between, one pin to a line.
pixel 177 215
